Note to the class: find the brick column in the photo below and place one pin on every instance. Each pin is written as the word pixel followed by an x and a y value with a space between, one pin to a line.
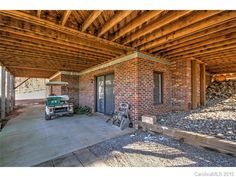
pixel 203 84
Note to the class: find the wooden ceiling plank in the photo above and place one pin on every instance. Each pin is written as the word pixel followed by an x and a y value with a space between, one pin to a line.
pixel 92 17
pixel 136 22
pixel 30 47
pixel 79 45
pixel 206 47
pixel 195 36
pixel 47 24
pixel 49 45
pixel 207 38
pixel 202 25
pixel 65 17
pixel 168 18
pixel 222 40
pixel 196 54
pixel 115 20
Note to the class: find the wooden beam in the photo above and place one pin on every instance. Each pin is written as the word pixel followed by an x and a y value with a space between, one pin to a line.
pixel 160 22
pixel 146 16
pixel 92 17
pixel 38 13
pixel 8 92
pixel 203 84
pixel 170 29
pixel 79 44
pixel 192 138
pixel 206 51
pixel 196 36
pixel 12 92
pixel 202 25
pixel 47 24
pixel 194 83
pixel 203 40
pixel 36 44
pixel 115 20
pixel 3 94
pixel 205 45
pixel 65 17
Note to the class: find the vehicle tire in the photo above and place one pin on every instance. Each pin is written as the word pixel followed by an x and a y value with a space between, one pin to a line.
pixel 47 117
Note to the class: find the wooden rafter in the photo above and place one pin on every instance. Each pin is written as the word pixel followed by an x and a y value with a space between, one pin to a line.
pixel 168 18
pixel 196 36
pixel 207 39
pixel 219 17
pixel 188 25
pixel 38 13
pixel 116 19
pixel 90 19
pixel 65 17
pixel 50 25
pixel 136 22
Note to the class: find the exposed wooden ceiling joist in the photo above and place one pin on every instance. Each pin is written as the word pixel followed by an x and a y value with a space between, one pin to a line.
pixel 90 19
pixel 136 22
pixel 65 17
pixel 116 19
pixel 168 18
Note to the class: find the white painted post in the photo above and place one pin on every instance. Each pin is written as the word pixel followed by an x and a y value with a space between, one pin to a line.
pixel 12 93
pixel 3 96
pixel 8 92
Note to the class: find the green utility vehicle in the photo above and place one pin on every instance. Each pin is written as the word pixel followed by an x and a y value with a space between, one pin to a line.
pixel 58 105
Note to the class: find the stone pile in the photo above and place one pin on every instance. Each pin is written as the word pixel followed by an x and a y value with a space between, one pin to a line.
pixel 221 90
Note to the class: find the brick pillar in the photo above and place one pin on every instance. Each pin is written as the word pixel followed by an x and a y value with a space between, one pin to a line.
pixel 181 85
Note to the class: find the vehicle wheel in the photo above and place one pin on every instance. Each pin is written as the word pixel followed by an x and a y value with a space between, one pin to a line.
pixel 47 117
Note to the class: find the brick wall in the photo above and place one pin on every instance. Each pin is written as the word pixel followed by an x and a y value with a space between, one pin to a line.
pixel 181 85
pixel 146 103
pixel 73 87
pixel 125 84
pixel 133 83
pixel 55 89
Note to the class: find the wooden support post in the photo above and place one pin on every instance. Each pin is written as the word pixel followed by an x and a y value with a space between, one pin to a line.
pixel 203 84
pixel 13 92
pixel 8 92
pixel 11 95
pixel 3 96
pixel 194 83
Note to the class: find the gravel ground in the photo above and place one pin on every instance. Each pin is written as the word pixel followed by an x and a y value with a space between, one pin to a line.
pixel 152 150
pixel 217 119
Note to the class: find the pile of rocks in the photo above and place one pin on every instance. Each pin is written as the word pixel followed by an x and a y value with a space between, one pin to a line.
pixel 217 119
pixel 221 90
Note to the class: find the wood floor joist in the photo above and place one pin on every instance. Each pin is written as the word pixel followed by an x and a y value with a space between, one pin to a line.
pixel 79 39
pixel 213 19
pixel 171 28
pixel 196 36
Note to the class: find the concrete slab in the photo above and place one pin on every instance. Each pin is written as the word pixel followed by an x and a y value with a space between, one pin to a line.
pixel 29 139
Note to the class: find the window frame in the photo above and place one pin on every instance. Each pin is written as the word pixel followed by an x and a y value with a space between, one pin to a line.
pixel 154 83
